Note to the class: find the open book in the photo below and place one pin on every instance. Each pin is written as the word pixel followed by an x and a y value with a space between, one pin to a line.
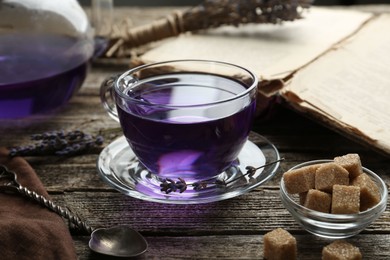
pixel 333 65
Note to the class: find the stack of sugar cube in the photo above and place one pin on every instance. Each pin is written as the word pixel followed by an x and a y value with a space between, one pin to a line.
pixel 339 187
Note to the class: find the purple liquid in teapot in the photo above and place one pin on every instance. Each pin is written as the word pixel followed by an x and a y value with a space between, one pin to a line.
pixel 175 144
pixel 39 72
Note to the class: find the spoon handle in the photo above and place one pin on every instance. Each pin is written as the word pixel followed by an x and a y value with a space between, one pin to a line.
pixel 63 212
pixel 10 184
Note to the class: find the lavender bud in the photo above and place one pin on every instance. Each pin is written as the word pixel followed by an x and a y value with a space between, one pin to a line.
pixel 99 140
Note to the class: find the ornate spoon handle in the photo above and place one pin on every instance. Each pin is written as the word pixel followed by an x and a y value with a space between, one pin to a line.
pixel 13 186
pixel 63 212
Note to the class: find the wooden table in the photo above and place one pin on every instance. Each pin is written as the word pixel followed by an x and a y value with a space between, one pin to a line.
pixel 230 229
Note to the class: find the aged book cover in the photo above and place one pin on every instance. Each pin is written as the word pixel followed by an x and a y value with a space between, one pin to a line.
pixel 332 65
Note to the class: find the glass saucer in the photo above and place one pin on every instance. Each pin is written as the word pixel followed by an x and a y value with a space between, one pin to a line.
pixel 119 167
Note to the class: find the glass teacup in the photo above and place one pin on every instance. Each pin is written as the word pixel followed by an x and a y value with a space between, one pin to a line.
pixel 185 119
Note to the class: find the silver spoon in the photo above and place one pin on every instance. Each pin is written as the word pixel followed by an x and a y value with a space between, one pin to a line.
pixel 121 241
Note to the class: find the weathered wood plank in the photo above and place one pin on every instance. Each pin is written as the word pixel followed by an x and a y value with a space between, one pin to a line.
pixel 252 213
pixel 241 247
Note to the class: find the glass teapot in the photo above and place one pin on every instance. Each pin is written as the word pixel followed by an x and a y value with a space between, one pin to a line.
pixel 45 48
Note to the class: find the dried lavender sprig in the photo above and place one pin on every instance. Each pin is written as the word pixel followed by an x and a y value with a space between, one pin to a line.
pixel 58 142
pixel 209 14
pixel 168 185
pixel 252 170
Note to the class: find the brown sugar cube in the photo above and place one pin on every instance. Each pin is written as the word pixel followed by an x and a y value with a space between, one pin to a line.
pixel 279 244
pixel 318 200
pixel 300 180
pixel 345 199
pixel 351 162
pixel 330 174
pixel 369 191
pixel 341 250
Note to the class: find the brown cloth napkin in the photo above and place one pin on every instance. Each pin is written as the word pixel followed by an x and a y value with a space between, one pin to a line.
pixel 27 230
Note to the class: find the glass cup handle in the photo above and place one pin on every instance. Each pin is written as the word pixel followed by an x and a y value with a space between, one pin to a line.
pixel 107 96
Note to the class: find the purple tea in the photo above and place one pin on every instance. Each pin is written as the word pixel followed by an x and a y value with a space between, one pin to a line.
pixel 189 141
pixel 39 72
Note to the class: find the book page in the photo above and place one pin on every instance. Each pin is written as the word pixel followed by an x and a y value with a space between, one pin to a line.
pixel 350 85
pixel 271 51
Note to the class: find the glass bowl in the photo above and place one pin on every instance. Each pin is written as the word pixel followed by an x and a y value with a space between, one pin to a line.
pixel 334 226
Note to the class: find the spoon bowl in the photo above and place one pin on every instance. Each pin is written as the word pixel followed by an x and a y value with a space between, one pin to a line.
pixel 121 241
